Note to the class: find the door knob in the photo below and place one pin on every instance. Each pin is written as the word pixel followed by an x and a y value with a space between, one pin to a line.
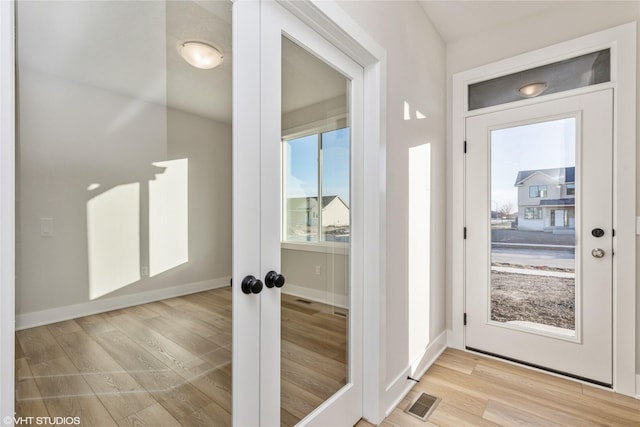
pixel 597 253
pixel 251 285
pixel 274 279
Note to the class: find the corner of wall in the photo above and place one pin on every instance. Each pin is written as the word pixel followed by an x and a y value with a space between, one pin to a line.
pixel 399 387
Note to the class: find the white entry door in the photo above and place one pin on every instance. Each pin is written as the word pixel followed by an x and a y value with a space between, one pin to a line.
pixel 298 210
pixel 539 233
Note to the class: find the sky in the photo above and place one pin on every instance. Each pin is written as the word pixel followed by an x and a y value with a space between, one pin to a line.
pixel 543 145
pixel 302 165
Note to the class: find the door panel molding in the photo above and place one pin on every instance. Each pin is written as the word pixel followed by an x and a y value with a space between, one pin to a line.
pixel 245 233
pixel 622 41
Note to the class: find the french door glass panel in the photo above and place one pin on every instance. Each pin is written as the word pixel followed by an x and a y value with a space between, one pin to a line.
pixel 538 273
pixel 124 185
pixel 315 248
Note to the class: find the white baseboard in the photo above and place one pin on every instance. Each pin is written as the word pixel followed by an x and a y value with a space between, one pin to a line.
pixel 59 314
pixel 401 386
pixel 316 295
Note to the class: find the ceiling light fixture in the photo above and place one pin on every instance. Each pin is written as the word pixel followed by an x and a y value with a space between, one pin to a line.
pixel 200 55
pixel 531 90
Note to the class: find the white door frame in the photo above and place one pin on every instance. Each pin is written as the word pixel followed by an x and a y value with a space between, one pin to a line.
pixel 333 23
pixel 622 41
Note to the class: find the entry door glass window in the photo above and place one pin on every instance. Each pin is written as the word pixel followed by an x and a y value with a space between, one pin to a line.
pixel 533 205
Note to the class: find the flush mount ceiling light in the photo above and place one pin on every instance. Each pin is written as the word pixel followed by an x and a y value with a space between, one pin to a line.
pixel 200 55
pixel 531 90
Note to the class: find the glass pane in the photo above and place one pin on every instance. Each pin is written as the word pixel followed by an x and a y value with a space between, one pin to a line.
pixel 303 213
pixel 335 185
pixel 315 249
pixel 124 182
pixel 533 223
pixel 585 70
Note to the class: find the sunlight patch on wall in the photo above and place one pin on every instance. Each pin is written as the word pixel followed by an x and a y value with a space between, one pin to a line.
pixel 419 248
pixel 113 225
pixel 169 216
pixel 407 112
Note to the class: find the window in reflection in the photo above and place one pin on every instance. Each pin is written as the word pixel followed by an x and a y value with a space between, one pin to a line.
pixel 310 218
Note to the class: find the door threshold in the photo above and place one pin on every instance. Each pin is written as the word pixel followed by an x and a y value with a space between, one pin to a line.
pixel 542 368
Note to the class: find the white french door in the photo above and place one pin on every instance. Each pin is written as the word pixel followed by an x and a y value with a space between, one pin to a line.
pixel 297 86
pixel 538 251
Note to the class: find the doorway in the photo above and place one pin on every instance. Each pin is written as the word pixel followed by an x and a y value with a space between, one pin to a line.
pixel 624 220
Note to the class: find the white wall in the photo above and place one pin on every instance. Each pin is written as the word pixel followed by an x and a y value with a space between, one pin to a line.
pixel 567 21
pixel 73 135
pixel 318 275
pixel 415 82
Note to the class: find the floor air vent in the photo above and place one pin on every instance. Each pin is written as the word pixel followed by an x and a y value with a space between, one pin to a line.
pixel 423 406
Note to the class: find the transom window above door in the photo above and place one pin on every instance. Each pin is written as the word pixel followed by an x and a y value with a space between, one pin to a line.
pixel 580 71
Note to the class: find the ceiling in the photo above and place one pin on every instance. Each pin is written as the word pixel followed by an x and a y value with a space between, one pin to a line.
pixel 456 20
pixel 129 48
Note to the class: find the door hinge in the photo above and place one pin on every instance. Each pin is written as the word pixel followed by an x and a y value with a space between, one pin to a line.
pixel 464 233
pixel 465 147
pixel 464 319
pixel 613 233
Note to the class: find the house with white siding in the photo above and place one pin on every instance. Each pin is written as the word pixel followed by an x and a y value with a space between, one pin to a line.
pixel 546 200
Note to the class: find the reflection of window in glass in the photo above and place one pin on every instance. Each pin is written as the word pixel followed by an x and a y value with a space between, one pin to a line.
pixel 316 177
pixel 571 189
pixel 537 191
pixel 532 213
pixel 301 178
pixel 335 185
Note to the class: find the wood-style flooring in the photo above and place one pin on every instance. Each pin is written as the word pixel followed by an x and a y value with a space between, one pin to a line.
pixel 479 391
pixel 168 363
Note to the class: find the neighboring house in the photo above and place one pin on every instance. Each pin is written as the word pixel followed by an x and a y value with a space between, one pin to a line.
pixel 303 214
pixel 546 199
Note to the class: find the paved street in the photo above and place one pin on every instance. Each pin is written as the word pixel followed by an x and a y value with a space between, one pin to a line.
pixel 534 257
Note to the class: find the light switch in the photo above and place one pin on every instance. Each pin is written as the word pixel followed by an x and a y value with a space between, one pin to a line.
pixel 46 227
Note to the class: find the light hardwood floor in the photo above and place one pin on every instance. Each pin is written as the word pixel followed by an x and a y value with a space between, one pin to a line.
pixel 168 363
pixel 478 391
